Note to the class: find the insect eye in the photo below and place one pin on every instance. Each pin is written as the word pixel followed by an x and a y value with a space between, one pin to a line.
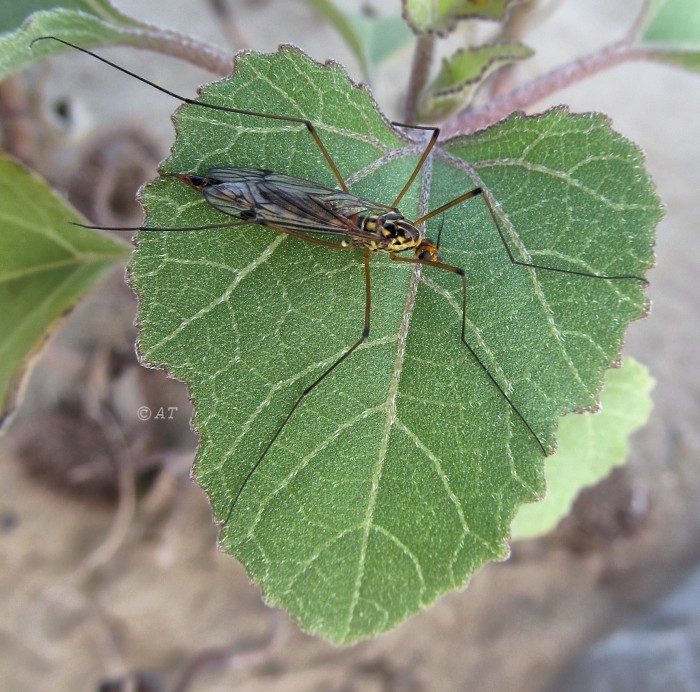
pixel 198 182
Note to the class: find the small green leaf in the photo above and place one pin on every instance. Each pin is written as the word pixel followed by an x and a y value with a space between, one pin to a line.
pixel 397 477
pixel 671 29
pixel 81 28
pixel 46 265
pixel 461 75
pixel 371 38
pixel 340 21
pixel 12 14
pixel 589 447
pixel 441 16
pixel 381 36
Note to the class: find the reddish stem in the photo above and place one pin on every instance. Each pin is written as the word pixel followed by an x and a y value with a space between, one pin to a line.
pixel 179 46
pixel 420 72
pixel 528 94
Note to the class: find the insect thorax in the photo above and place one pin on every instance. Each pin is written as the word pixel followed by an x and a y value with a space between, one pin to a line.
pixel 392 232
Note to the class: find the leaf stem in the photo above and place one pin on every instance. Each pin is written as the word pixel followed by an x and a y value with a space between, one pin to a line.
pixel 539 88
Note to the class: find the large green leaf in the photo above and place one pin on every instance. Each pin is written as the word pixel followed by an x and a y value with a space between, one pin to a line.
pixel 589 447
pixel 46 265
pixel 398 476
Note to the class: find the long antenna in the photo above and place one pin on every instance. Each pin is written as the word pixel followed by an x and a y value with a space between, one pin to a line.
pixel 226 109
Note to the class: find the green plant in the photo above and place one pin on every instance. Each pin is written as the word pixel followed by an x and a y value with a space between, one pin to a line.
pixel 401 477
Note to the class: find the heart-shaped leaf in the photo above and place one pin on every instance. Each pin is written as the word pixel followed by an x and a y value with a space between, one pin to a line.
pixel 397 477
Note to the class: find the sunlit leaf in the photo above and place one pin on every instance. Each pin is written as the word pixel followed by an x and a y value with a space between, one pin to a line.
pixel 589 447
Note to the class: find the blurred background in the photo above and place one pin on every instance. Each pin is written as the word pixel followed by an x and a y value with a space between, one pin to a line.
pixel 111 576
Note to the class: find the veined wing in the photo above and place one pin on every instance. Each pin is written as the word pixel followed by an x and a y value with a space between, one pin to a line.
pixel 269 198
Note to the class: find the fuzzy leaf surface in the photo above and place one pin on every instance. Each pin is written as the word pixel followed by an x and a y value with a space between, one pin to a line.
pixel 398 476
pixel 13 14
pixel 461 75
pixel 92 24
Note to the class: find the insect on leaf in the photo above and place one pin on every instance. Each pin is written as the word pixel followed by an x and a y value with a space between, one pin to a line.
pixel 397 477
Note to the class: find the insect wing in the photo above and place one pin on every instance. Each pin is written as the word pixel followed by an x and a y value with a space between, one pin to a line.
pixel 270 198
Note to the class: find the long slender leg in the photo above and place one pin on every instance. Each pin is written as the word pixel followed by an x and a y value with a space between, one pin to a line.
pixel 462 274
pixel 214 226
pixel 318 380
pixel 457 200
pixel 423 157
pixel 511 257
pixel 228 224
pixel 346 354
pixel 307 123
pixel 551 269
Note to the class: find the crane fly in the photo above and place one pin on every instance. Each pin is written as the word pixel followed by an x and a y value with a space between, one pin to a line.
pixel 334 218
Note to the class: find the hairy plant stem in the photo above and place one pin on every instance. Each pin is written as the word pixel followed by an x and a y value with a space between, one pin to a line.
pixel 171 43
pixel 420 72
pixel 528 94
